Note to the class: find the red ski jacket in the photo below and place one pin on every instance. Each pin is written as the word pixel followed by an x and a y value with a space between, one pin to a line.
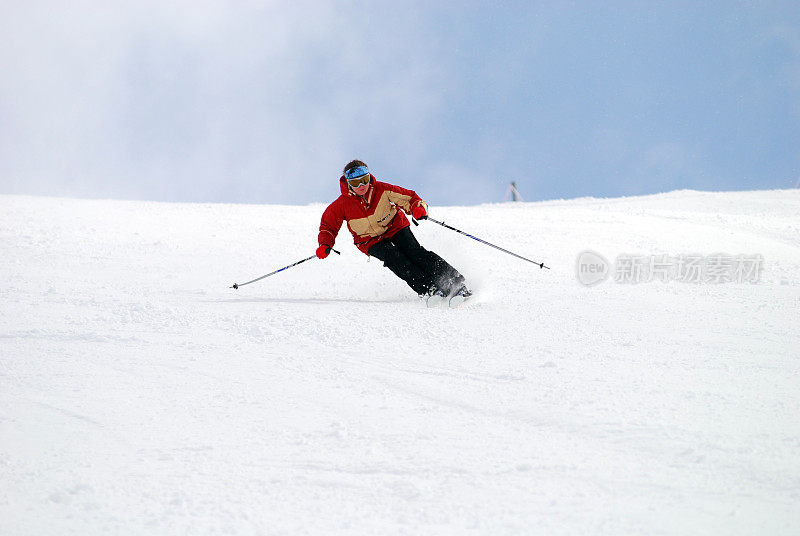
pixel 370 218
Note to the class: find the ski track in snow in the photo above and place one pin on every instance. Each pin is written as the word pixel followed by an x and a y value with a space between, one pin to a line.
pixel 141 395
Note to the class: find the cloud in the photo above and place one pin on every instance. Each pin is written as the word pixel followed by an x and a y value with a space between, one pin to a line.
pixel 265 101
pixel 217 102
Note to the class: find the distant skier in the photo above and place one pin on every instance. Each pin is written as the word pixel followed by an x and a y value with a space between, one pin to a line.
pixel 379 229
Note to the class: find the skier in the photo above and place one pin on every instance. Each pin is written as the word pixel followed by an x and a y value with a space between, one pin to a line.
pixel 380 230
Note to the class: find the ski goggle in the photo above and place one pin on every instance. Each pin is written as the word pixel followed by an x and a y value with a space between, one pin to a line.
pixel 358 181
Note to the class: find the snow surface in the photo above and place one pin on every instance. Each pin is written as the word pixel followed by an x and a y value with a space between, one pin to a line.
pixel 141 395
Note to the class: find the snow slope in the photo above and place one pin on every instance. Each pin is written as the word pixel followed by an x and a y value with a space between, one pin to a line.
pixel 141 395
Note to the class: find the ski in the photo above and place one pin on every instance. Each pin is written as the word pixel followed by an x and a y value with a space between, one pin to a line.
pixel 435 299
pixel 453 300
pixel 457 300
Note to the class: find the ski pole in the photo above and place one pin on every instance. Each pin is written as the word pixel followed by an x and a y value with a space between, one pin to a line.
pixel 539 264
pixel 237 285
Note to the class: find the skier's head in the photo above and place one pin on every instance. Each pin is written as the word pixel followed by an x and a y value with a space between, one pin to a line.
pixel 356 173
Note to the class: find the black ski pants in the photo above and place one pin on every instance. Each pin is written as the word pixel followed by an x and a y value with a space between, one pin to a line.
pixel 414 264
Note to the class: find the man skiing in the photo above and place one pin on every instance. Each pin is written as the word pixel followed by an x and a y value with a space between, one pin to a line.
pixel 380 230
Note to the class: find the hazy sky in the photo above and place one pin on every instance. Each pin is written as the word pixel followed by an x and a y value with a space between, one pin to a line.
pixel 264 102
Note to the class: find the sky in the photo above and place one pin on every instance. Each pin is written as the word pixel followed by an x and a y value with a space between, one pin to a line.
pixel 265 102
